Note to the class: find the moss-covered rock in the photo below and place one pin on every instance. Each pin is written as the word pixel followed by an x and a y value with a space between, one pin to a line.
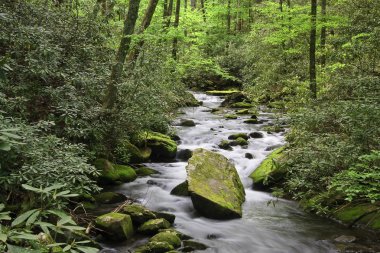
pixel 163 147
pixel 180 235
pixel 109 197
pixel 221 92
pixel 366 215
pixel 168 237
pixel 256 135
pixel 188 99
pixel 167 216
pixel 139 214
pixel 187 123
pixel 230 116
pixel 225 145
pixel 239 142
pixel 241 105
pixel 116 226
pixel 151 227
pixel 155 247
pixel 214 185
pixel 113 173
pixel 274 129
pixel 180 190
pixel 234 98
pixel 242 112
pixel 136 155
pixel 252 121
pixel 238 135
pixel 145 171
pixel 193 245
pixel 268 173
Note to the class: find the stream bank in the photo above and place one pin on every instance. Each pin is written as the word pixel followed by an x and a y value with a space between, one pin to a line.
pixel 268 224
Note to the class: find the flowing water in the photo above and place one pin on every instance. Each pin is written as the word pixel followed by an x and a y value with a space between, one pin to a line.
pixel 268 225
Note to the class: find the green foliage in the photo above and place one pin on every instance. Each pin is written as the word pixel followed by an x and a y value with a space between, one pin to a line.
pixel 361 181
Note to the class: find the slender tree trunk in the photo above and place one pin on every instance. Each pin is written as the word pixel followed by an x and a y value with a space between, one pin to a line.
pixel 203 10
pixel 168 13
pixel 176 23
pixel 281 6
pixel 149 12
pixel 193 4
pixel 117 69
pixel 323 34
pixel 229 16
pixel 313 37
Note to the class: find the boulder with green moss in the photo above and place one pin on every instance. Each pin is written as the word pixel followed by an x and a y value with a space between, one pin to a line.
pixel 363 215
pixel 242 112
pixel 136 155
pixel 188 99
pixel 234 98
pixel 162 146
pixel 238 135
pixel 115 226
pixel 268 173
pixel 180 190
pixel 109 198
pixel 214 185
pixel 113 173
pixel 179 234
pixel 239 142
pixel 167 236
pixel 151 227
pixel 191 246
pixel 144 171
pixel 225 145
pixel 230 116
pixel 139 214
pixel 155 247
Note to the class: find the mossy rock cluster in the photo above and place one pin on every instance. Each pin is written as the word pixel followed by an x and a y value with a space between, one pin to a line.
pixel 114 173
pixel 138 213
pixel 214 185
pixel 268 173
pixel 115 226
pixel 136 155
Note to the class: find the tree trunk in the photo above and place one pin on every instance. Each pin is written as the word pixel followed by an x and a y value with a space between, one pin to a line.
pixel 313 36
pixel 203 10
pixel 281 7
pixel 149 12
pixel 176 23
pixel 323 34
pixel 168 10
pixel 229 16
pixel 193 4
pixel 117 69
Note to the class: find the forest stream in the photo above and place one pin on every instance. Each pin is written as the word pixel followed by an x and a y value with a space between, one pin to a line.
pixel 268 225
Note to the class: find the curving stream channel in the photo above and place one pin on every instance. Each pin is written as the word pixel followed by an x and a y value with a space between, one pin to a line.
pixel 264 228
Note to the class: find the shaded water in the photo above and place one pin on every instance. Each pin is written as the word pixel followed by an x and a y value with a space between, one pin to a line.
pixel 264 228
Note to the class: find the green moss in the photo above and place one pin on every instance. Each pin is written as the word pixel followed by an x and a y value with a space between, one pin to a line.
pixel 274 129
pixel 267 169
pixel 179 234
pixel 181 189
pixel 242 112
pixel 239 142
pixel 167 216
pixel 136 155
pixel 163 147
pixel 351 213
pixel 214 185
pixel 145 171
pixel 139 214
pixel 221 92
pixel 242 105
pixel 194 245
pixel 225 145
pixel 168 237
pixel 152 226
pixel 113 173
pixel 371 220
pixel 109 197
pixel 155 247
pixel 116 226
pixel 230 116
pixel 238 135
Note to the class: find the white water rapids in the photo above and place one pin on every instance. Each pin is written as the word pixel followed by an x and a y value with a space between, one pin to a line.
pixel 264 228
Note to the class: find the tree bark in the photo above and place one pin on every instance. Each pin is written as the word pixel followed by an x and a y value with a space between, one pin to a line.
pixel 149 12
pixel 176 23
pixel 323 33
pixel 193 4
pixel 229 16
pixel 203 10
pixel 117 69
pixel 168 10
pixel 313 36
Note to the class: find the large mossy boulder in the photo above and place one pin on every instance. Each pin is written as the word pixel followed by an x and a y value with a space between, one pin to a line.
pixel 139 214
pixel 363 215
pixel 136 155
pixel 114 174
pixel 144 171
pixel 115 226
pixel 162 146
pixel 268 173
pixel 151 227
pixel 214 185
pixel 238 135
pixel 234 98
